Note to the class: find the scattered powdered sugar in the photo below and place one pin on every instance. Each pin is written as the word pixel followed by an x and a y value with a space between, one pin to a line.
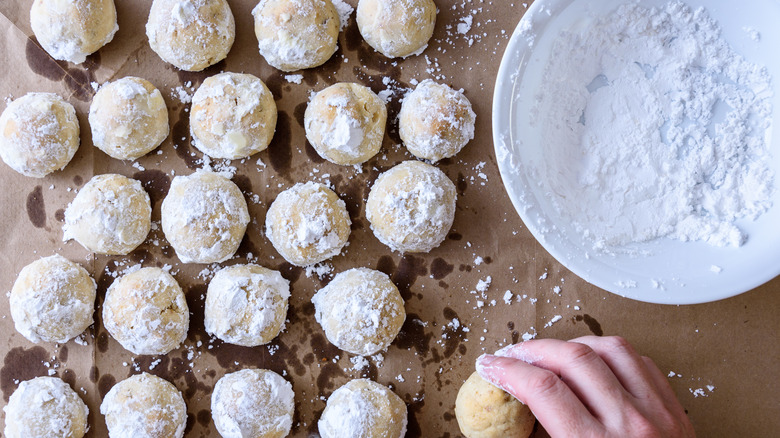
pixel 508 297
pixel 345 11
pixel 465 24
pixel 321 270
pixel 654 127
pixel 483 285
pixel 699 392
pixel 552 321
pixel 183 93
pixel 359 363
pixel 220 167
pixel 294 79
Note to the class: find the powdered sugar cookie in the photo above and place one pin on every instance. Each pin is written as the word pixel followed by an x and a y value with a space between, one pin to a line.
pixel 484 411
pixel 204 217
pixel 360 310
pixel 72 30
pixel 307 224
pixel 296 34
pixel 346 123
pixel 45 407
pixel 39 133
pixel 435 121
pixel 191 34
pixel 363 409
pixel 146 312
pixel 246 305
pixel 52 300
pixel 396 28
pixel 111 214
pixel 128 118
pixel 253 403
pixel 233 116
pixel 411 207
pixel 144 406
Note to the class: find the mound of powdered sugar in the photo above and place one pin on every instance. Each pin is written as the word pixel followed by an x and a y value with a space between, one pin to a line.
pixel 653 127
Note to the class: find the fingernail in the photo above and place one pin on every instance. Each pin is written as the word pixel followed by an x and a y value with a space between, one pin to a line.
pixel 485 366
pixel 485 360
pixel 486 369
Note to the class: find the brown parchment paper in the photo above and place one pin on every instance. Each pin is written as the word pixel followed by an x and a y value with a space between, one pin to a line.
pixel 721 357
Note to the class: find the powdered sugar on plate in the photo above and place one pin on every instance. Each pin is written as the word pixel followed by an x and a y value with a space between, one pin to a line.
pixel 654 127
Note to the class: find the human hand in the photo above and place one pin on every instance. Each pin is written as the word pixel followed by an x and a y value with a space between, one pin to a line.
pixel 589 386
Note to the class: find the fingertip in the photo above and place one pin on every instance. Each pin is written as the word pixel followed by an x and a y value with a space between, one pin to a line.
pixel 487 366
pixel 491 369
pixel 482 362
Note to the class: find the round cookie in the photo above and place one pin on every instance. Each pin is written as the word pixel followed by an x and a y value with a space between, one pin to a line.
pixel 396 28
pixel 144 406
pixel 204 217
pixel 484 411
pixel 128 118
pixel 411 207
pixel 111 215
pixel 296 34
pixel 363 409
pixel 233 116
pixel 146 312
pixel 191 35
pixel 246 305
pixel 52 300
pixel 435 121
pixel 45 407
pixel 346 123
pixel 307 224
pixel 360 310
pixel 39 133
pixel 253 403
pixel 72 30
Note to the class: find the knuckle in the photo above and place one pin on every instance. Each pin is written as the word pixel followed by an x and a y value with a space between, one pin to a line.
pixel 672 426
pixel 577 353
pixel 546 384
pixel 653 424
pixel 640 426
pixel 619 344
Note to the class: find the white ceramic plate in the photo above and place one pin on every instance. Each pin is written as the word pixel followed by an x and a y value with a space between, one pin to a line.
pixel 671 272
